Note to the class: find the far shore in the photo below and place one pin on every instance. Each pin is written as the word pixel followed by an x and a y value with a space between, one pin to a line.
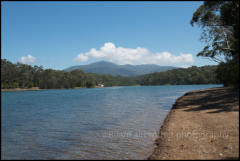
pixel 37 88
pixel 202 124
pixel 21 89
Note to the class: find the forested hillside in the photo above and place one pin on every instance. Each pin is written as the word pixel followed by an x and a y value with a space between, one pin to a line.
pixel 192 75
pixel 26 76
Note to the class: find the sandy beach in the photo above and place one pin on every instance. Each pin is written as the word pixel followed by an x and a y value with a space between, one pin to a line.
pixel 202 124
pixel 37 88
pixel 20 89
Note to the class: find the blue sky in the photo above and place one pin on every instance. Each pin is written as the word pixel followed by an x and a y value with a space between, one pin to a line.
pixel 62 34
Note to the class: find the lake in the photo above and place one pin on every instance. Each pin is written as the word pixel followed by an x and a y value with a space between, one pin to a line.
pixel 96 123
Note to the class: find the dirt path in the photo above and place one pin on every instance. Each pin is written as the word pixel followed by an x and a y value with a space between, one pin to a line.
pixel 202 124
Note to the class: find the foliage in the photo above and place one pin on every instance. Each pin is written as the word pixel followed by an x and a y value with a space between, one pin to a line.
pixel 25 76
pixel 182 76
pixel 109 80
pixel 219 21
pixel 228 73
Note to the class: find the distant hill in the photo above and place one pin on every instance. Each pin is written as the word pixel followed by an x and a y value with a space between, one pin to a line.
pixel 104 67
pixel 192 75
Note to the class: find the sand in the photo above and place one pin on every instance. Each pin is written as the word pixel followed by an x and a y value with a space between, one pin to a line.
pixel 21 89
pixel 202 124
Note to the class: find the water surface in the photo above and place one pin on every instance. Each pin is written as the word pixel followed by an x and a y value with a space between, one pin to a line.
pixel 97 123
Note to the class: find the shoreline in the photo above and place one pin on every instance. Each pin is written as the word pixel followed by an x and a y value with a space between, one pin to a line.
pixel 202 124
pixel 37 89
pixel 21 89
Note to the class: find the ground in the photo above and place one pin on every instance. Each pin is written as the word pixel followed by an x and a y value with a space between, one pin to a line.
pixel 202 124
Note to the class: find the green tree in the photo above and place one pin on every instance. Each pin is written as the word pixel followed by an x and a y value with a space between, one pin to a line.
pixel 180 76
pixel 219 21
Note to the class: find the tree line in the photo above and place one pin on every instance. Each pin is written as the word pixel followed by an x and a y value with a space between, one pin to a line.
pixel 26 76
pixel 182 76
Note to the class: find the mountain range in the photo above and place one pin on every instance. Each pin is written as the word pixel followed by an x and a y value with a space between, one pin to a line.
pixel 104 67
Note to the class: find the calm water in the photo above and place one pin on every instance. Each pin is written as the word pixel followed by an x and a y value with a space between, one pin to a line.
pixel 98 123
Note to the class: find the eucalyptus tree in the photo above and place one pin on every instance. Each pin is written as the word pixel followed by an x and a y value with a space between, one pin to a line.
pixel 219 21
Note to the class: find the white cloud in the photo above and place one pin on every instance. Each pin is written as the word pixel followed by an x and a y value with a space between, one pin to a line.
pixel 140 55
pixel 81 57
pixel 29 59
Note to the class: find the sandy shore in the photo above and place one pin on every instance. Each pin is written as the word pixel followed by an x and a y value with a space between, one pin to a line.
pixel 21 89
pixel 37 88
pixel 202 124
